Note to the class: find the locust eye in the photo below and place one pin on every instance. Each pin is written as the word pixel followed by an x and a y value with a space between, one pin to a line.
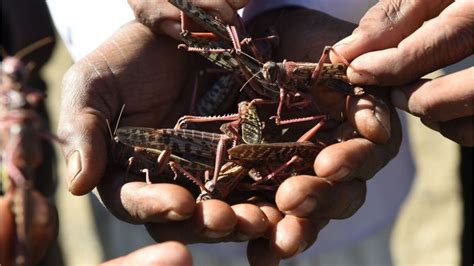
pixel 270 71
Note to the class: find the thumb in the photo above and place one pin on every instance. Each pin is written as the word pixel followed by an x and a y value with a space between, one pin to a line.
pixel 85 150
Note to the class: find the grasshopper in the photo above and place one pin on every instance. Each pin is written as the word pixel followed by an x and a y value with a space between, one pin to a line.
pixel 286 83
pixel 246 119
pixel 21 132
pixel 138 160
pixel 232 172
pixel 199 147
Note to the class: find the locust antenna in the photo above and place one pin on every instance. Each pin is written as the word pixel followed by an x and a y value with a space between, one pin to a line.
pixel 112 134
pixel 251 57
pixel 250 79
pixel 118 119
pixel 32 47
pixel 110 130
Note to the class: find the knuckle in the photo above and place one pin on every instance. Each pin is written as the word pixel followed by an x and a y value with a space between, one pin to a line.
pixel 391 10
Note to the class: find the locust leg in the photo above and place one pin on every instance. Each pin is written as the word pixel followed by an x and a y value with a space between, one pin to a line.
pixel 176 168
pixel 147 175
pixel 203 119
pixel 305 137
pixel 322 59
pixel 277 117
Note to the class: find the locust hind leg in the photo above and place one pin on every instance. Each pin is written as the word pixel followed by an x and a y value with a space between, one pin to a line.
pixel 305 137
pixel 176 168
pixel 324 56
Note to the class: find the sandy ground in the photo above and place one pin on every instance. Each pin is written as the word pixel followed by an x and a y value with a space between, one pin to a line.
pixel 426 232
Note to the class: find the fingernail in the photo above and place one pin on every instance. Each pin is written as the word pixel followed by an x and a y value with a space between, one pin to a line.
pixel 306 207
pixel 339 47
pixel 340 175
pixel 399 99
pixel 74 167
pixel 357 75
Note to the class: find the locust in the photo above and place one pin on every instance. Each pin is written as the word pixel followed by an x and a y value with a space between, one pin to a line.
pixel 244 128
pixel 184 148
pixel 286 83
pixel 198 146
pixel 21 132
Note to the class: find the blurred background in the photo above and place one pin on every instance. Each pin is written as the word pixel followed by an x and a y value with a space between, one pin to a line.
pixel 427 231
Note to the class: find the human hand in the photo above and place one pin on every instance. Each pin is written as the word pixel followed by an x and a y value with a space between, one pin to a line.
pixel 164 254
pixel 339 187
pixel 146 73
pixel 163 18
pixel 397 42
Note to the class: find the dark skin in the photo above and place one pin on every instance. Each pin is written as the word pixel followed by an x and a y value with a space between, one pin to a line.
pixel 145 72
pixel 392 46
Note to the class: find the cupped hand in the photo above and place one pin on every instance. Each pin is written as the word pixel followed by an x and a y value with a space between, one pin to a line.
pixel 154 81
pixel 338 189
pixel 397 42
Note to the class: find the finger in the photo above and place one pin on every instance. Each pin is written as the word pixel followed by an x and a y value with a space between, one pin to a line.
pixel 82 123
pixel 138 202
pixel 385 25
pixel 439 42
pixel 160 16
pixel 259 253
pixel 442 99
pixel 273 215
pixel 306 196
pixel 459 130
pixel 85 150
pixel 370 116
pixel 358 158
pixel 212 221
pixel 293 235
pixel 164 254
pixel 251 222
pixel 164 18
pixel 225 10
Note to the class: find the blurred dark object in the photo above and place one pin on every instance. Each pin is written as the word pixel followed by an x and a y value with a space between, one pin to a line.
pixel 23 22
pixel 466 186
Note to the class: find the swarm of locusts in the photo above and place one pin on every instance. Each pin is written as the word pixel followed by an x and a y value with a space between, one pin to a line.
pixel 253 153
pixel 28 222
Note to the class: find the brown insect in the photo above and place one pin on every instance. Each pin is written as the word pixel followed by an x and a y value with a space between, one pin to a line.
pixel 30 222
